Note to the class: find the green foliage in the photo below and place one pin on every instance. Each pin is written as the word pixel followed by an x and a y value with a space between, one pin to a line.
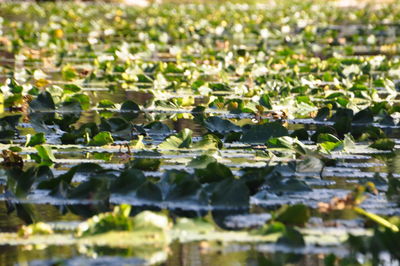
pixel 218 96
pixel 262 133
pixel 181 140
pixel 118 220
pixel 297 214
pixel 45 155
pixel 383 144
pixel 34 140
pixel 101 139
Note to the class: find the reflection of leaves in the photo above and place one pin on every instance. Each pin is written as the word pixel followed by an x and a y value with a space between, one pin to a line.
pixel 278 184
pixel 342 118
pixel 25 212
pixel 20 182
pixel 382 241
pixel 120 128
pixel 323 114
pixel 364 116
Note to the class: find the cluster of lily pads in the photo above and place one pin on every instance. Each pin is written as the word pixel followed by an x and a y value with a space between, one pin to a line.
pixel 164 103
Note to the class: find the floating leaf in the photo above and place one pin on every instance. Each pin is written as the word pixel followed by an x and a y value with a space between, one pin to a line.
pixel 383 144
pixel 230 193
pixel 297 214
pixel 146 164
pixel 261 133
pixel 129 110
pixel 118 220
pixel 221 126
pixel 34 140
pixel 266 101
pixel 208 142
pixel 128 181
pixel 101 139
pixel 201 161
pixel 46 155
pixel 214 172
pixel 181 140
pixel 39 228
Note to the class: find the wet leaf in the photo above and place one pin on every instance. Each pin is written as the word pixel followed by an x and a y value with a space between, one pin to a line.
pixel 129 110
pixel 231 193
pixel 297 214
pixel 261 133
pixel 383 144
pixel 46 155
pixel 128 181
pixel 181 140
pixel 101 139
pixel 201 161
pixel 208 142
pixel 214 172
pixel 292 238
pixel 221 126
pixel 118 220
pixel 34 140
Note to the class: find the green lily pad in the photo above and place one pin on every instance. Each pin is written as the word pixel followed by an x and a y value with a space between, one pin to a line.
pixel 261 133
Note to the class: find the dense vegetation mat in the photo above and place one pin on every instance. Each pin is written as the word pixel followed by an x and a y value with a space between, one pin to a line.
pixel 267 131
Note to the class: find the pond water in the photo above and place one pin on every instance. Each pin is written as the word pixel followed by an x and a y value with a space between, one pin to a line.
pixel 231 59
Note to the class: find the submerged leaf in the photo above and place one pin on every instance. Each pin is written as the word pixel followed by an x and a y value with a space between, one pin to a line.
pixel 383 144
